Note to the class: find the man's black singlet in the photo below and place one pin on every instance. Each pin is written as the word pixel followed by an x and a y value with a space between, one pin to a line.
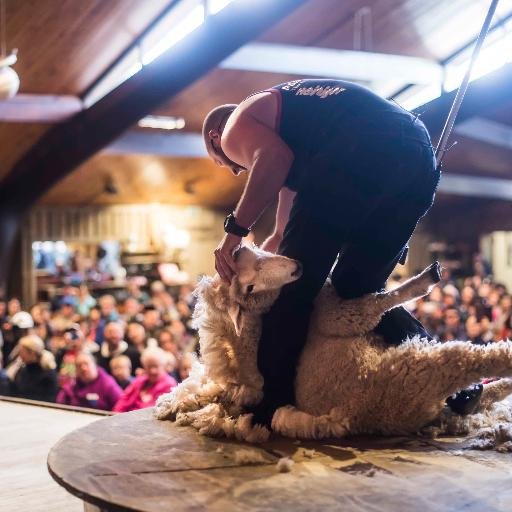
pixel 314 112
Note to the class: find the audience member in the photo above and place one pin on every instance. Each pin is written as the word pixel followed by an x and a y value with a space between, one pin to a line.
pixel 121 370
pixel 93 386
pixel 136 336
pixel 147 387
pixel 185 365
pixel 33 374
pixel 114 345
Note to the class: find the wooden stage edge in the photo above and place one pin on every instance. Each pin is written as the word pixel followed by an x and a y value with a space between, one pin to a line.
pixel 132 462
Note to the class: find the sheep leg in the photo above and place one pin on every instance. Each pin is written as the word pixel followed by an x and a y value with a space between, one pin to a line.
pixel 495 392
pixel 419 371
pixel 291 422
pixel 356 317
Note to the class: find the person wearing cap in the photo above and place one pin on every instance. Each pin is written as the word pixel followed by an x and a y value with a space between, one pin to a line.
pixel 352 173
pixel 35 376
pixel 19 325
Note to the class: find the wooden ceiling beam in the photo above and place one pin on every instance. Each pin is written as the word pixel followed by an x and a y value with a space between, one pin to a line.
pixel 484 95
pixel 39 108
pixel 475 186
pixel 326 62
pixel 486 130
pixel 166 144
pixel 70 143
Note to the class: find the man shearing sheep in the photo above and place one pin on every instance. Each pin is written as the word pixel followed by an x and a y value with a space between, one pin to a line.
pixel 353 173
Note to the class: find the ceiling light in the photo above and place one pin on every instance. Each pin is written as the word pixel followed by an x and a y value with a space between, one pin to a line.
pixel 162 122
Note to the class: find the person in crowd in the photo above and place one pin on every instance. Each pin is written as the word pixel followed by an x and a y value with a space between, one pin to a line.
pixel 3 311
pixel 131 310
pixel 134 291
pixel 468 300
pixel 453 327
pixel 85 301
pixel 13 307
pixel 136 336
pixel 18 326
pixel 114 345
pixel 35 376
pixel 185 365
pixel 167 341
pixel 121 370
pixel 75 342
pixel 152 321
pixel 41 317
pixel 147 387
pixel 66 315
pixel 93 386
pixel 109 313
pixel 474 331
pixel 503 322
pixel 171 366
pixel 94 324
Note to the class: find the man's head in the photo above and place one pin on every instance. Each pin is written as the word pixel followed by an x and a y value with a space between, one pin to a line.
pixel 213 126
pixel 113 334
pixel 86 369
pixel 136 334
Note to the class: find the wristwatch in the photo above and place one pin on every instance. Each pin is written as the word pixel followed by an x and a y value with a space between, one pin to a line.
pixel 231 226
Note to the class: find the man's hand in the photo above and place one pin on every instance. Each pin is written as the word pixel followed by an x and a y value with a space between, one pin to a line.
pixel 224 262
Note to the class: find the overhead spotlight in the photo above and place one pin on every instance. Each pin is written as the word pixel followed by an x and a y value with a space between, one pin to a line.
pixel 162 122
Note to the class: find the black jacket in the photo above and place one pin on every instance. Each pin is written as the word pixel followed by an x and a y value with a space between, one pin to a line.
pixel 33 382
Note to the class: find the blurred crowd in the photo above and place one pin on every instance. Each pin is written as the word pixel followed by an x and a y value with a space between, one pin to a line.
pixel 121 353
pixel 116 353
pixel 474 309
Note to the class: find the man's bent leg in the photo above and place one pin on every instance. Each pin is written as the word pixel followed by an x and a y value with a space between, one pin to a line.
pixel 285 326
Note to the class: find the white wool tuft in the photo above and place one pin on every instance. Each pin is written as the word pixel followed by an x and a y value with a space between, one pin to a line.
pixel 284 465
pixel 246 457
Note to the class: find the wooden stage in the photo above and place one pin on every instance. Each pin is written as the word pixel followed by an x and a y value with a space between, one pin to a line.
pixel 133 462
pixel 27 432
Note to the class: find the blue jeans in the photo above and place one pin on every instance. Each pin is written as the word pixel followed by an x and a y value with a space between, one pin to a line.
pixel 364 194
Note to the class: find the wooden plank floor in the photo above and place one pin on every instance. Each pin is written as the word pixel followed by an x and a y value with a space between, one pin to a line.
pixel 26 435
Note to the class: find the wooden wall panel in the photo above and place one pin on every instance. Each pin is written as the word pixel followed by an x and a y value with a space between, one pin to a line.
pixel 143 178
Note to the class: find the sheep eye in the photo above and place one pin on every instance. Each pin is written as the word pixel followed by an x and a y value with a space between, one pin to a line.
pixel 250 288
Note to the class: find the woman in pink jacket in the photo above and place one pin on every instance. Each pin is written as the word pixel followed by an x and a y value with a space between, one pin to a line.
pixel 146 388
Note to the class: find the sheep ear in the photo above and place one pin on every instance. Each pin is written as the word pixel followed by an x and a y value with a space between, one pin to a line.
pixel 235 312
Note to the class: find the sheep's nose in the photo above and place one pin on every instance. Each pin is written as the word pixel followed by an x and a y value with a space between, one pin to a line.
pixel 298 271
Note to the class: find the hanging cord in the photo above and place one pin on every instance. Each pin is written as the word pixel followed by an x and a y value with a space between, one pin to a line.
pixel 450 121
pixel 3 34
pixel 363 31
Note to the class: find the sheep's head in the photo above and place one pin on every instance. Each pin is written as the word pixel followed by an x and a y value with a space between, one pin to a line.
pixel 259 279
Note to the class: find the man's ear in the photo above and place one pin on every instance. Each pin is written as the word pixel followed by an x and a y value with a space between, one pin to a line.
pixel 235 312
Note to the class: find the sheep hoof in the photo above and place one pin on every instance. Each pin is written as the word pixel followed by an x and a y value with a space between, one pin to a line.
pixel 434 271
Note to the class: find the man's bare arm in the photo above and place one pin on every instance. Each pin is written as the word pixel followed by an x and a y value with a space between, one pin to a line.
pixel 286 197
pixel 269 160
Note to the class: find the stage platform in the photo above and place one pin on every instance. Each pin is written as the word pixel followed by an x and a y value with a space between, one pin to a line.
pixel 134 462
pixel 27 432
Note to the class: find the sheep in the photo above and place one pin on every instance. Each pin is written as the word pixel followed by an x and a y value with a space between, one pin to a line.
pixel 348 381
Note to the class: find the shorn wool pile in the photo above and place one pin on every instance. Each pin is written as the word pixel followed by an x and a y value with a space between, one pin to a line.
pixel 348 381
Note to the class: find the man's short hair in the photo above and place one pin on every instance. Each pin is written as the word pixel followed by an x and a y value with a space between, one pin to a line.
pixel 214 119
